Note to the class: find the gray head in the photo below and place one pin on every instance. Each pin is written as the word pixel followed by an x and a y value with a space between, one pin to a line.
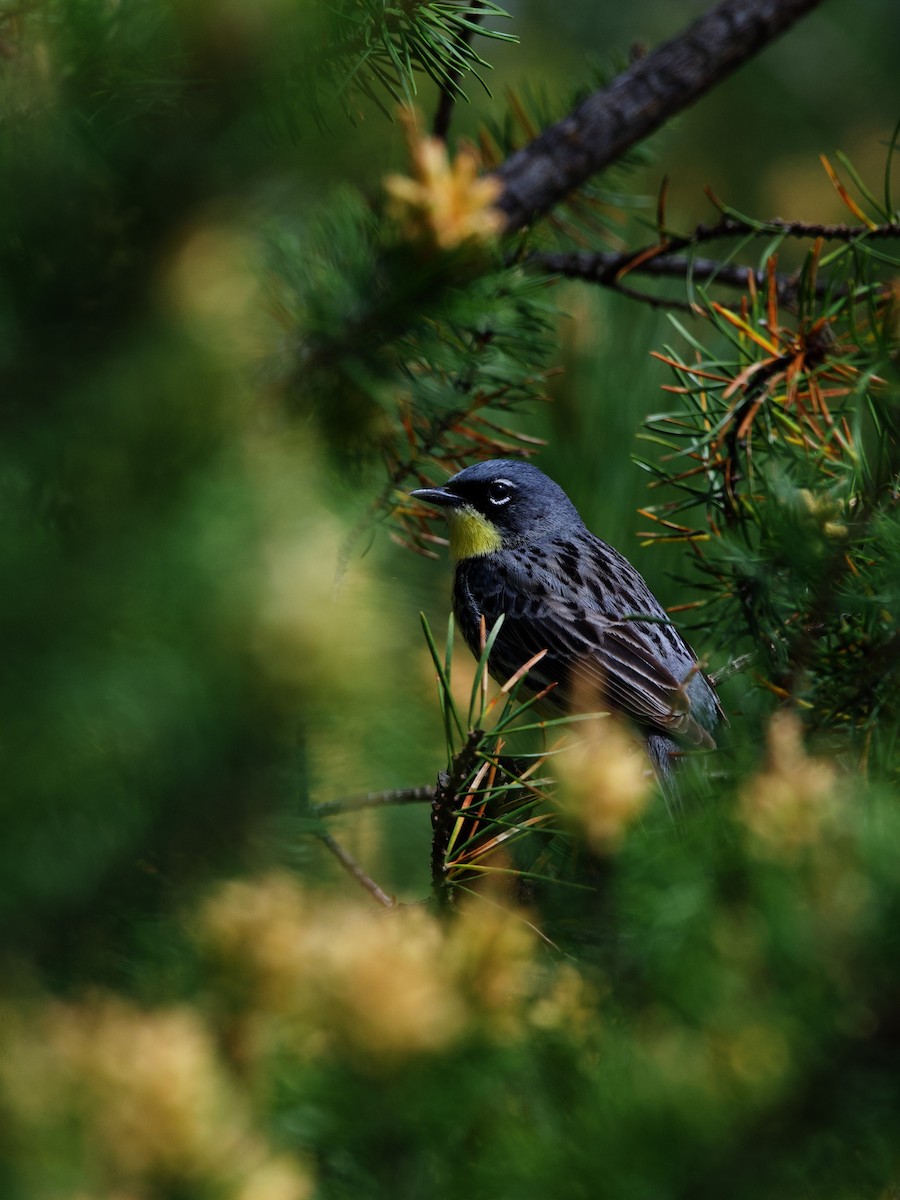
pixel 501 502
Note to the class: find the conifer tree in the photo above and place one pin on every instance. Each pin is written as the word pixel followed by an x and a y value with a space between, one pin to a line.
pixel 238 324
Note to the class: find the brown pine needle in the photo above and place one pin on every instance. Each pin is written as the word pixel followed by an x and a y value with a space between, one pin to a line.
pixel 688 370
pixel 772 295
pixel 845 195
pixel 507 687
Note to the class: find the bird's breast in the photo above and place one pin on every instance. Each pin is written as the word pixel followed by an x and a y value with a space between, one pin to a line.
pixel 477 592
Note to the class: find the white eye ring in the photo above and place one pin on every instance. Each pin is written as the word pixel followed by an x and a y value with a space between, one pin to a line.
pixel 501 499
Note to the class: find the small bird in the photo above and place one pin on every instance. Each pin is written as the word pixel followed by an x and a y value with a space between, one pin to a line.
pixel 522 551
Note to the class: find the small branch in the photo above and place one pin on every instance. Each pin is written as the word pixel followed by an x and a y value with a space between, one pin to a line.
pixel 670 303
pixel 652 91
pixel 415 795
pixel 732 226
pixel 605 266
pixel 450 90
pixel 352 867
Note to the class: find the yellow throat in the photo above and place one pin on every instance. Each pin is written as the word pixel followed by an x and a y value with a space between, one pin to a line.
pixel 471 534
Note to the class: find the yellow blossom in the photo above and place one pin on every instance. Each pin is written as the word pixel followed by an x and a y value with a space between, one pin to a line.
pixel 150 1096
pixel 786 805
pixel 568 1004
pixel 382 980
pixel 445 203
pixel 277 1178
pixel 335 975
pixel 259 927
pixel 361 979
pixel 156 1095
pixel 604 782
pixel 491 953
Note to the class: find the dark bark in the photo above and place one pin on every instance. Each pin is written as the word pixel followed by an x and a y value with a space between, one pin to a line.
pixel 444 809
pixel 450 90
pixel 612 120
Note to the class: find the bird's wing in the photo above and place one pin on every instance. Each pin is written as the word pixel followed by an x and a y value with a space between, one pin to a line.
pixel 615 659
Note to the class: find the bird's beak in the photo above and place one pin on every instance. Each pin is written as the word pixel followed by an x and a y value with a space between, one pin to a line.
pixel 439 496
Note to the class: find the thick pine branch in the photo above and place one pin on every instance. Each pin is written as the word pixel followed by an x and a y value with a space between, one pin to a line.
pixel 612 120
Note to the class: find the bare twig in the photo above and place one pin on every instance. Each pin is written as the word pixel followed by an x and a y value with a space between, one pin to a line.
pixel 352 867
pixel 414 795
pixel 615 118
pixel 670 303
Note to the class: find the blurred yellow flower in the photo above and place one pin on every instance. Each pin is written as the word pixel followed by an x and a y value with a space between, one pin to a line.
pixel 786 806
pixel 491 956
pixel 151 1099
pixel 342 973
pixel 381 981
pixel 604 781
pixel 158 1097
pixel 568 1004
pixel 256 928
pixel 445 204
pixel 278 1178
pixel 323 974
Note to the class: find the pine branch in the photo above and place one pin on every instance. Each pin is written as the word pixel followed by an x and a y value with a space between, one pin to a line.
pixel 376 49
pixel 443 810
pixel 612 120
pixel 606 267
pixel 352 867
pixel 414 795
pixel 732 225
pixel 450 89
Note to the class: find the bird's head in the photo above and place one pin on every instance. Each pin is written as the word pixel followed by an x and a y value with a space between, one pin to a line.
pixel 499 504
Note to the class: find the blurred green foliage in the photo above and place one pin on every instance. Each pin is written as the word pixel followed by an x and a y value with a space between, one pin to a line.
pixel 222 364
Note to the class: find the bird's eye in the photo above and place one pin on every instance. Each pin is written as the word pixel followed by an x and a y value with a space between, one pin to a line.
pixel 500 491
